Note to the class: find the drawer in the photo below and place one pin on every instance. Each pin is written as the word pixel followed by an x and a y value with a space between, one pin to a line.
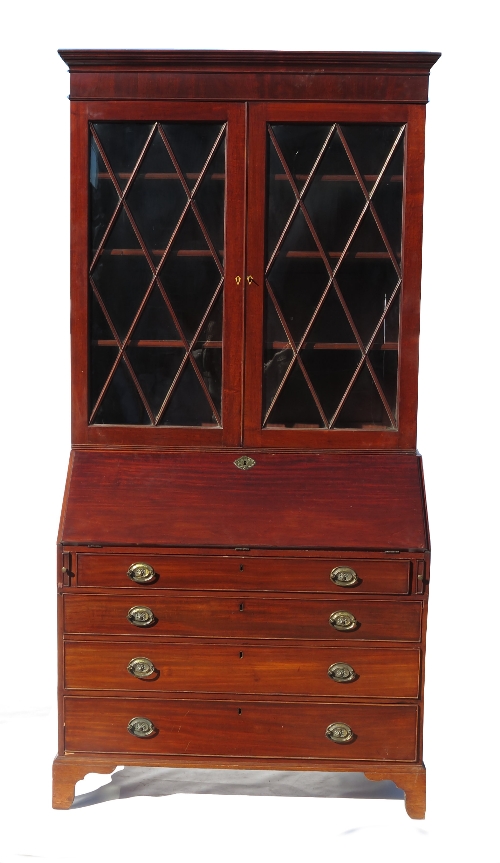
pixel 210 615
pixel 245 573
pixel 259 669
pixel 232 728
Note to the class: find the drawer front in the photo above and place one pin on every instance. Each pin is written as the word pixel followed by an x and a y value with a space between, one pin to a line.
pixel 265 669
pixel 207 615
pixel 245 573
pixel 229 728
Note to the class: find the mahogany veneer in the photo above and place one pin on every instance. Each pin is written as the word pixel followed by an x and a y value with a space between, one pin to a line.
pixel 244 616
pixel 245 282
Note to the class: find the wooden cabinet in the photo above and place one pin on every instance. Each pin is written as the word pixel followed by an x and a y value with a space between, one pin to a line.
pixel 244 522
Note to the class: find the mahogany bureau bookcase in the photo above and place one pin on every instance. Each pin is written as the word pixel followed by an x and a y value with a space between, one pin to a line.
pixel 243 557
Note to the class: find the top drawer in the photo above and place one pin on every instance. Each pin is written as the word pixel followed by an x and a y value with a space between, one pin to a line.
pixel 179 572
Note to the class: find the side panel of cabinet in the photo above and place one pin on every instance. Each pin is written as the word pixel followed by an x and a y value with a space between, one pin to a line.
pixel 84 433
pixel 410 119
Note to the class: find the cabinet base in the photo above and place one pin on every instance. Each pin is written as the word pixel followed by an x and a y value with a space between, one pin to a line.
pixel 67 770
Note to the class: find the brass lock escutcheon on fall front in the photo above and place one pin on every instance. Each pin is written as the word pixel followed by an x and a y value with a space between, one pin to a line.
pixel 139 726
pixel 344 576
pixel 142 573
pixel 245 462
pixel 141 615
pixel 341 672
pixel 343 621
pixel 141 666
pixel 339 732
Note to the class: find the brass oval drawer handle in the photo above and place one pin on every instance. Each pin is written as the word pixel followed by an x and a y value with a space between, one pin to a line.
pixel 339 732
pixel 141 573
pixel 141 666
pixel 341 672
pixel 139 726
pixel 141 615
pixel 344 576
pixel 343 621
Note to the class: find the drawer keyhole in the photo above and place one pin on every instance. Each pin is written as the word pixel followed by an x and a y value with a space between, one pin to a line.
pixel 242 606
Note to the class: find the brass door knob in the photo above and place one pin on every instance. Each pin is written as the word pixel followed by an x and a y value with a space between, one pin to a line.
pixel 344 576
pixel 141 573
pixel 343 621
pixel 341 672
pixel 141 666
pixel 339 732
pixel 141 615
pixel 139 726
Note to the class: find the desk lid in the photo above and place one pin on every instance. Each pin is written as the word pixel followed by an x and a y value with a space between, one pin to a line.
pixel 285 500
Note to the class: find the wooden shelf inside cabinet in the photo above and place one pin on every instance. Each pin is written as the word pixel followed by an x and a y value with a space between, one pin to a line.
pixel 244 496
pixel 332 346
pixel 158 253
pixel 374 256
pixel 343 178
pixel 157 175
pixel 154 343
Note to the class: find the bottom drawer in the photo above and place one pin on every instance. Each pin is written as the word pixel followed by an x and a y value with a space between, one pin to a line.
pixel 238 729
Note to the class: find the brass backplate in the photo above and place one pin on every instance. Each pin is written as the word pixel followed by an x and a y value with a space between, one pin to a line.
pixel 245 462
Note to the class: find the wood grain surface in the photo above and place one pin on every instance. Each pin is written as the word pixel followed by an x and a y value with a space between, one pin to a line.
pixel 246 75
pixel 237 573
pixel 288 500
pixel 243 616
pixel 279 730
pixel 261 668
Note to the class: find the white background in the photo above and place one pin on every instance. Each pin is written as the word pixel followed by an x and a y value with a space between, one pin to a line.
pixel 458 420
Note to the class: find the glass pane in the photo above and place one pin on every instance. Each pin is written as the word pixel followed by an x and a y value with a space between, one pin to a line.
pixel 209 362
pixel 176 303
pixel 123 144
pixel 155 368
pixel 330 372
pixel 388 199
pixel 121 403
pixel 276 363
pixel 102 358
pixel 363 408
pixel 122 275
pixel 280 199
pixel 99 327
pixel 156 198
pixel 274 333
pixel 370 145
pixel 103 197
pixel 188 405
pixel 192 144
pixel 212 329
pixel 155 322
pixel 331 326
pixel 190 275
pixel 300 146
pixel 295 406
pixel 385 366
pixel 331 267
pixel 210 198
pixel 334 199
pixel 366 285
pixel 298 277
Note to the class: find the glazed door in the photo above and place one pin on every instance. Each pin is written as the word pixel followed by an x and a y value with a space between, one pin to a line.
pixel 158 273
pixel 332 300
